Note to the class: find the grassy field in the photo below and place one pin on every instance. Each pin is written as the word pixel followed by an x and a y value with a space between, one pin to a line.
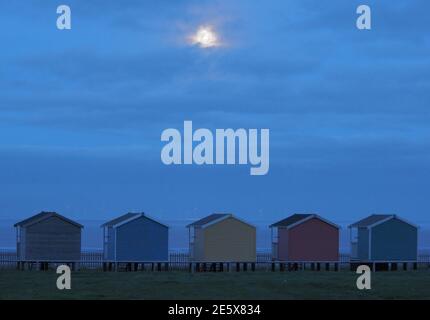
pixel 177 285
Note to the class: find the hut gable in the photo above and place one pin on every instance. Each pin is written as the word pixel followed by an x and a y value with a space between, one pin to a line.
pixel 135 237
pixel 305 237
pixel 48 236
pixel 384 237
pixel 222 237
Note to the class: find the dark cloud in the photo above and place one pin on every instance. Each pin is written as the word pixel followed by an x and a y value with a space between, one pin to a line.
pixel 91 103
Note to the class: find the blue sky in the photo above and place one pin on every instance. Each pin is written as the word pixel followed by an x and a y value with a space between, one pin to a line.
pixel 82 111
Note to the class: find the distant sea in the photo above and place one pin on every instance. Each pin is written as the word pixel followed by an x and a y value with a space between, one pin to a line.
pixel 178 235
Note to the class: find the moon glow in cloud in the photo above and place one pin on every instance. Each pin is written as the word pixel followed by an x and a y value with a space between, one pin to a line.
pixel 205 37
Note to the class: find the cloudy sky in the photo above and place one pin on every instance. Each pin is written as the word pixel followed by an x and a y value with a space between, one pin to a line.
pixel 82 111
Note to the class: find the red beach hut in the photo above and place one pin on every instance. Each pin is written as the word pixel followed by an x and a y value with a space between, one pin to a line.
pixel 305 237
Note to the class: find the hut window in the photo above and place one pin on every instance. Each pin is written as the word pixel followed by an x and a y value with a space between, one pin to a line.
pixel 106 235
pixel 275 236
pixel 18 234
pixel 354 234
pixel 192 235
pixel 191 240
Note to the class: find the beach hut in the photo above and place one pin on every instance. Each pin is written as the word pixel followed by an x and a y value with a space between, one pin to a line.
pixel 305 237
pixel 135 237
pixel 222 238
pixel 383 237
pixel 48 236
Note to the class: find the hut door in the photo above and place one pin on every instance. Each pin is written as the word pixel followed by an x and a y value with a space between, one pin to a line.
pixel 18 243
pixel 354 242
pixel 105 243
pixel 275 243
pixel 191 242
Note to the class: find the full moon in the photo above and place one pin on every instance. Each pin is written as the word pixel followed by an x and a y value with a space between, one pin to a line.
pixel 205 37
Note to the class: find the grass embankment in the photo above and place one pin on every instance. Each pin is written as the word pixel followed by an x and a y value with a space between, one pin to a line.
pixel 182 285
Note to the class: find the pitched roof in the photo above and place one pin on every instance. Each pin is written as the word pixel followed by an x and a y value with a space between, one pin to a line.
pixel 376 219
pixel 210 218
pixel 128 217
pixel 296 219
pixel 120 219
pixel 370 220
pixel 291 220
pixel 42 216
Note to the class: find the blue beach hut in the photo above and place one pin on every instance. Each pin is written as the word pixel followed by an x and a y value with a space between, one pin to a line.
pixel 383 237
pixel 135 237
